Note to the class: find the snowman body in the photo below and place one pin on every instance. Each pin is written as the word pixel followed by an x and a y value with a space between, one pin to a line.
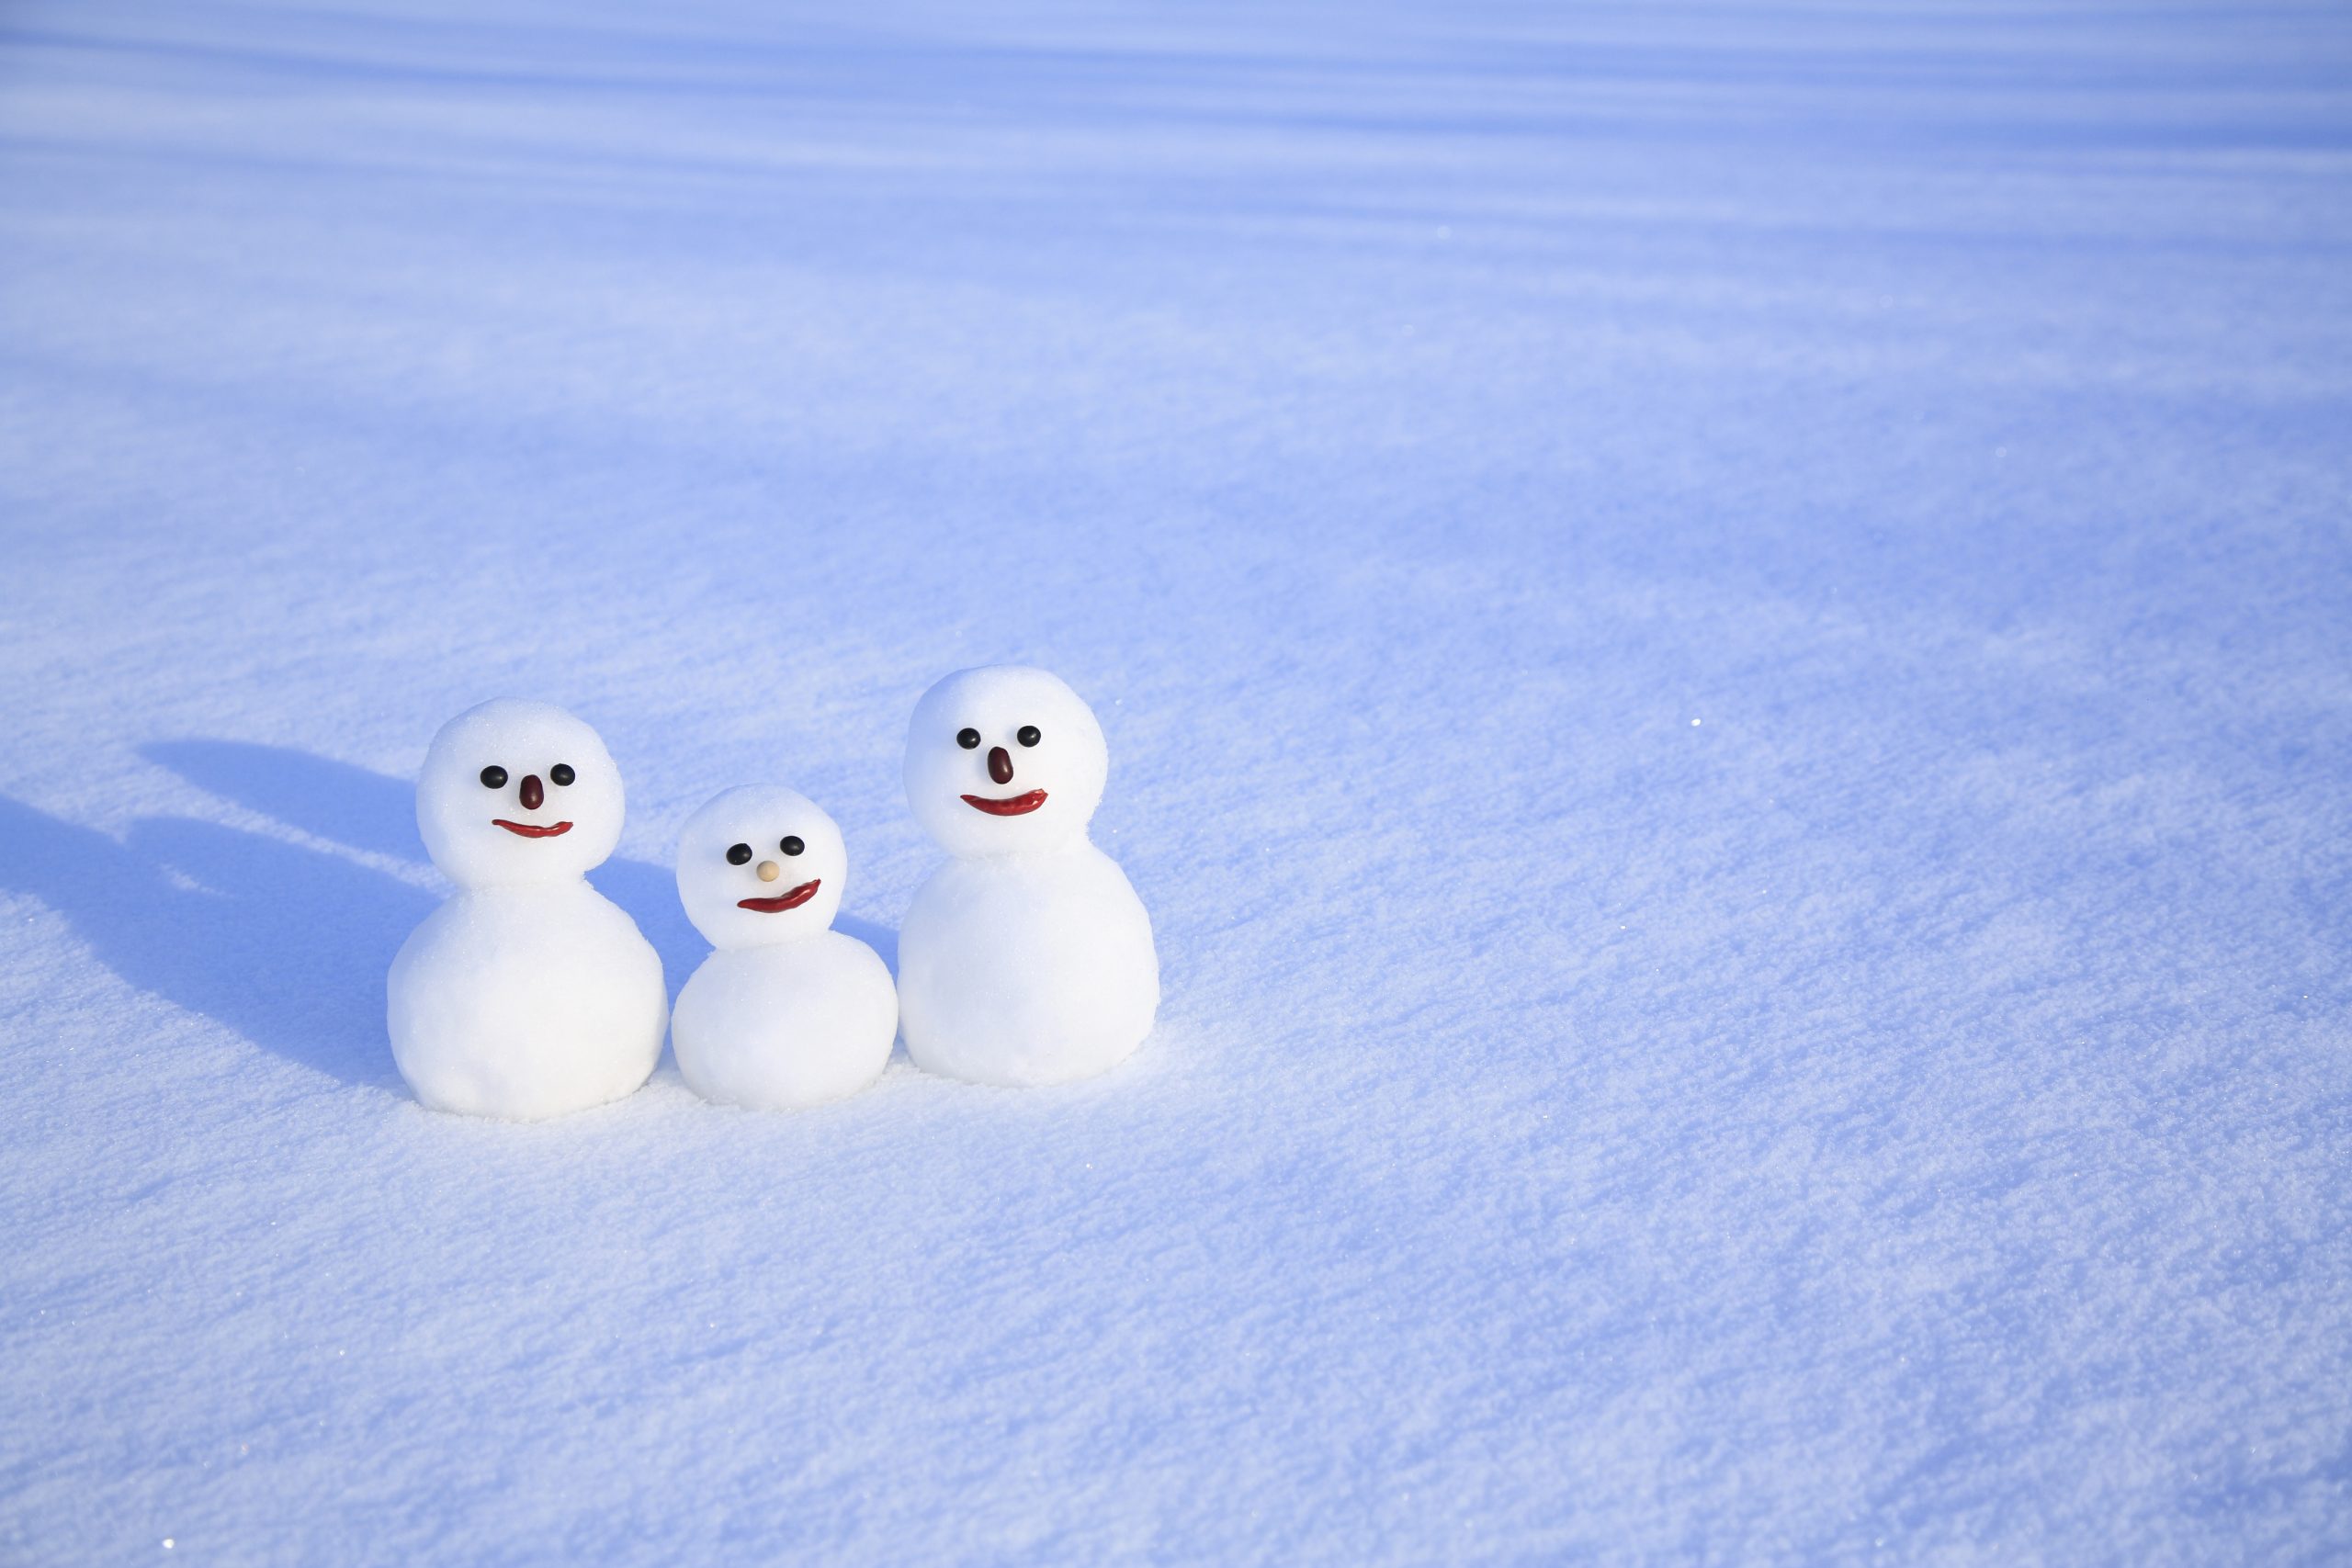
pixel 797 1023
pixel 787 1012
pixel 525 1002
pixel 528 994
pixel 1027 958
pixel 1027 969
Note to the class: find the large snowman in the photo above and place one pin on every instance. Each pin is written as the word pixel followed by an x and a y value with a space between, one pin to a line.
pixel 528 994
pixel 788 1011
pixel 1027 958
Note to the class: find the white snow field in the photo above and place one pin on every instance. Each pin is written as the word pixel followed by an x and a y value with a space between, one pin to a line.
pixel 1725 634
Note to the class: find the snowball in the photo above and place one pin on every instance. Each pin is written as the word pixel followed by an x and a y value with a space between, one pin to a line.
pixel 787 1013
pixel 1027 959
pixel 760 845
pixel 1028 969
pixel 528 994
pixel 1049 786
pixel 482 834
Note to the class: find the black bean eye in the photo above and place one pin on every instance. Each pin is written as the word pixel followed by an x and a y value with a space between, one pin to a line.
pixel 740 855
pixel 968 739
pixel 791 844
pixel 562 772
pixel 1028 736
pixel 494 777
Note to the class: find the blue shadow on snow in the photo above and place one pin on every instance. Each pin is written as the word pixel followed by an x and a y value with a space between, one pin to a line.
pixel 286 945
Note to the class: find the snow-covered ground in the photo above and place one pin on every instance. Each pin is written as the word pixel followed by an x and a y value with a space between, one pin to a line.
pixel 1726 636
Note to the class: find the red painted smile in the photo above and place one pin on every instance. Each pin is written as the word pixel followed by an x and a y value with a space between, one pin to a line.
pixel 527 830
pixel 782 901
pixel 1011 806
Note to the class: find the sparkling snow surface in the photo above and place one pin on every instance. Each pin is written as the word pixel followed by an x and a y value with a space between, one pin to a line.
pixel 1726 640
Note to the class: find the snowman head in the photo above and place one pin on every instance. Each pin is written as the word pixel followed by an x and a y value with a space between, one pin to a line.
pixel 1004 760
pixel 761 865
pixel 516 794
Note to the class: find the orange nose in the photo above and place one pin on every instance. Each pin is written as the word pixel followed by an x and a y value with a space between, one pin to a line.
pixel 533 795
pixel 1000 764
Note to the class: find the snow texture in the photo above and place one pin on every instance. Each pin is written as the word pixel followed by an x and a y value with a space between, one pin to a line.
pixel 1725 636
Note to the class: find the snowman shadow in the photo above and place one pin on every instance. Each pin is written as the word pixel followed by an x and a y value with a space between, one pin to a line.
pixel 284 944
pixel 375 812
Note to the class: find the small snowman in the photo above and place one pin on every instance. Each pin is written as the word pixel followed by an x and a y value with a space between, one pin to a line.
pixel 788 1011
pixel 1027 958
pixel 528 994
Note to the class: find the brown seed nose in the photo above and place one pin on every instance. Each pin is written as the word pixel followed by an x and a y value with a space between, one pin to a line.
pixel 533 795
pixel 1000 764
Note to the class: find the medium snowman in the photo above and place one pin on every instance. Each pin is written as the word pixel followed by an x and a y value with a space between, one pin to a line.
pixel 1027 958
pixel 787 1011
pixel 528 994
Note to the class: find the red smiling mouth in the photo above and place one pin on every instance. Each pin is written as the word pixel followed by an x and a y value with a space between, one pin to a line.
pixel 1011 806
pixel 527 830
pixel 782 901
